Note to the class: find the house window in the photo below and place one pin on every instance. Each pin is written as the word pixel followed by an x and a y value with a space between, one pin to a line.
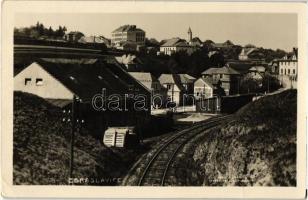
pixel 168 86
pixel 39 81
pixel 285 71
pixel 220 75
pixel 293 71
pixel 281 71
pixel 27 81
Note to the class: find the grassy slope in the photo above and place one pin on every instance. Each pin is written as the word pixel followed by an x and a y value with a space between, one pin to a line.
pixel 41 147
pixel 257 148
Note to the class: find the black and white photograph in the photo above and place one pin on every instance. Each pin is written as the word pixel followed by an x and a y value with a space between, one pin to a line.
pixel 160 99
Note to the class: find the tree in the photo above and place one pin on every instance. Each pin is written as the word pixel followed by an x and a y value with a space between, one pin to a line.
pixel 250 46
pixel 270 83
pixel 250 85
pixel 50 32
pixel 217 59
pixel 152 42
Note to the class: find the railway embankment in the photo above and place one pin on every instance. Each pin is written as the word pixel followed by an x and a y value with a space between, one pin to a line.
pixel 41 153
pixel 257 148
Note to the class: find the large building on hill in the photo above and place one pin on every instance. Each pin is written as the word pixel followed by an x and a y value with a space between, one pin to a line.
pixel 128 34
pixel 173 45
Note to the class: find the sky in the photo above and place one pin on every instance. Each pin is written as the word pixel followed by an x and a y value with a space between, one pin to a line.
pixel 261 29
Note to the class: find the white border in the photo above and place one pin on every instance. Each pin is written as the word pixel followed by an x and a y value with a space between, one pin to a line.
pixel 12 7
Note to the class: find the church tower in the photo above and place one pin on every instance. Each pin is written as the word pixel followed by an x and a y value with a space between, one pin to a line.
pixel 189 35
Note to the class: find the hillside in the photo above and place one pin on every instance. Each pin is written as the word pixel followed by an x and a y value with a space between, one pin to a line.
pixel 41 148
pixel 257 148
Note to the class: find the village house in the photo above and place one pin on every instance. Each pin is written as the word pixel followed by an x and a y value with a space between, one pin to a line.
pixel 196 42
pixel 175 45
pixel 73 36
pixel 128 34
pixel 255 72
pixel 224 77
pixel 225 45
pixel 58 80
pixel 94 40
pixel 245 53
pixel 251 54
pixel 177 85
pixel 287 68
pixel 152 84
pixel 203 88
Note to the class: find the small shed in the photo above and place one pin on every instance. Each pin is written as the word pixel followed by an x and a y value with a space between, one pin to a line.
pixel 119 136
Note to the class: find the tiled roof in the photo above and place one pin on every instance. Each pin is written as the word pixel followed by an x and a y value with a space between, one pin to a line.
pixel 226 70
pixel 210 71
pixel 225 44
pixel 174 42
pixel 241 67
pixel 171 79
pixel 185 78
pixel 221 70
pixel 87 77
pixel 127 28
pixel 196 39
pixel 90 39
pixel 207 81
pixel 144 78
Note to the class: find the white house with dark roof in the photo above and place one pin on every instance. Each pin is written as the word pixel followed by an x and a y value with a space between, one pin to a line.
pixel 175 45
pixel 128 33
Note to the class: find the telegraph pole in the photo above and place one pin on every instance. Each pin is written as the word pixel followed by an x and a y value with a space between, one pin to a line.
pixel 74 111
pixel 268 80
pixel 71 116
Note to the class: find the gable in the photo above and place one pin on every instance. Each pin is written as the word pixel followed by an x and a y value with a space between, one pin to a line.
pixel 49 88
pixel 201 83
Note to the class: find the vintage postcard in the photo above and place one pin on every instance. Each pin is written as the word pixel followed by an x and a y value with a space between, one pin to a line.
pixel 153 99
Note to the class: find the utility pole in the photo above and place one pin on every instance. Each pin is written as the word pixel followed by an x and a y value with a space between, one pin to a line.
pixel 71 116
pixel 238 85
pixel 268 80
pixel 74 112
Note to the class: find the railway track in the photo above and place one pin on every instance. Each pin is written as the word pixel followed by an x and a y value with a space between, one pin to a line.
pixel 158 166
